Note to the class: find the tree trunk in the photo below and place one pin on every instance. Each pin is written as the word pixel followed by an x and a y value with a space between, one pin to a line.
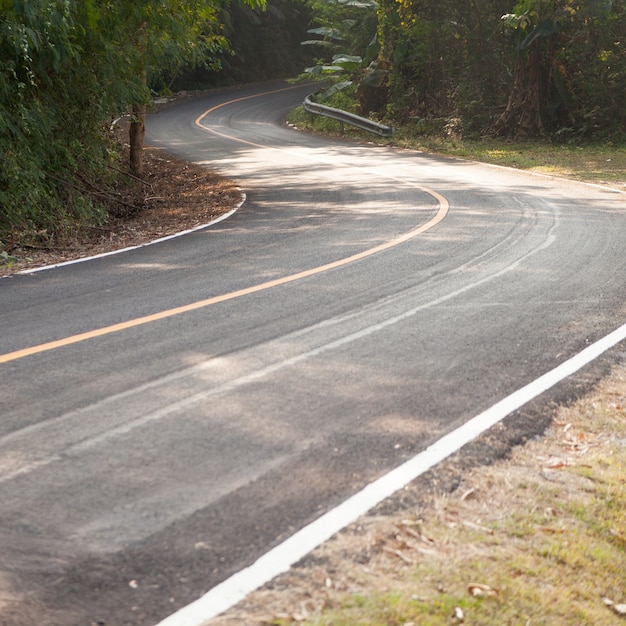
pixel 523 114
pixel 136 135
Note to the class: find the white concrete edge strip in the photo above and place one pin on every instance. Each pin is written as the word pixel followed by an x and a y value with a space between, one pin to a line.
pixel 142 245
pixel 278 560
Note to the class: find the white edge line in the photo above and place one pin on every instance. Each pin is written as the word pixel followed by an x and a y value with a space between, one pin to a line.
pixel 278 560
pixel 142 245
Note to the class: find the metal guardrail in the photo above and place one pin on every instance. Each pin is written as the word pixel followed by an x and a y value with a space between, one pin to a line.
pixel 348 118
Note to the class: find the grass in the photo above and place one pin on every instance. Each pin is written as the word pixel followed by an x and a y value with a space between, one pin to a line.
pixel 602 163
pixel 538 539
pixel 553 549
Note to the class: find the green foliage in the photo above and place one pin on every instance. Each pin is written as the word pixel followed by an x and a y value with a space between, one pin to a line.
pixel 567 55
pixel 67 69
pixel 263 44
pixel 41 151
pixel 344 27
pixel 541 67
pixel 348 32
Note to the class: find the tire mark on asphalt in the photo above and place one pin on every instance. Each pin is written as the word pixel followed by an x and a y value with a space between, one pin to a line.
pixel 442 210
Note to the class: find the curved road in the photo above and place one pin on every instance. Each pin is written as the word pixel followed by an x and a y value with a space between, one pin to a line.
pixel 171 413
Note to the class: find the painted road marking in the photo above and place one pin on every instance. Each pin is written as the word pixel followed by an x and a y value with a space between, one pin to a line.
pixel 221 218
pixel 253 376
pixel 442 210
pixel 234 101
pixel 278 560
pixel 102 255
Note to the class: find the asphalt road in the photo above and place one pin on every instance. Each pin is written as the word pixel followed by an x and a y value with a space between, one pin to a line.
pixel 246 378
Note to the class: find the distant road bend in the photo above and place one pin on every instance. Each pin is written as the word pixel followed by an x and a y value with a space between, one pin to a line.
pixel 172 413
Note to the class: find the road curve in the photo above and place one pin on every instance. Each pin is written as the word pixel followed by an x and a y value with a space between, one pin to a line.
pixel 171 413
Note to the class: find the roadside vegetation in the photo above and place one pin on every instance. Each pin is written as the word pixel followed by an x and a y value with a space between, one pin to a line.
pixel 532 84
pixel 601 162
pixel 532 68
pixel 457 77
pixel 71 69
pixel 536 539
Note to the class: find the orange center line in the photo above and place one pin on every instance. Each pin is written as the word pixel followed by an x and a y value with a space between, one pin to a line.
pixel 442 210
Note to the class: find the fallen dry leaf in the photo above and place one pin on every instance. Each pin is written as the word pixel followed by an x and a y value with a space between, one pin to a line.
pixel 470 492
pixel 425 551
pixel 478 589
pixel 558 464
pixel 404 526
pixel 399 554
pixel 479 527
pixel 288 617
pixel 563 464
pixel 618 609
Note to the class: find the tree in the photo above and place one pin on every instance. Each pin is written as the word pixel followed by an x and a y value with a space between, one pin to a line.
pixel 548 67
pixel 347 43
pixel 43 86
pixel 557 43
pixel 148 38
pixel 67 69
pixel 444 59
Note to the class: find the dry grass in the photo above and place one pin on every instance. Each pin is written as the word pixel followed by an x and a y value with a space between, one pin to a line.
pixel 537 539
pixel 598 163
pixel 603 164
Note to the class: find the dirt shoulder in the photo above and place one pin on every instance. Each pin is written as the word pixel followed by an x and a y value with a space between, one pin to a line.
pixel 538 537
pixel 175 196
